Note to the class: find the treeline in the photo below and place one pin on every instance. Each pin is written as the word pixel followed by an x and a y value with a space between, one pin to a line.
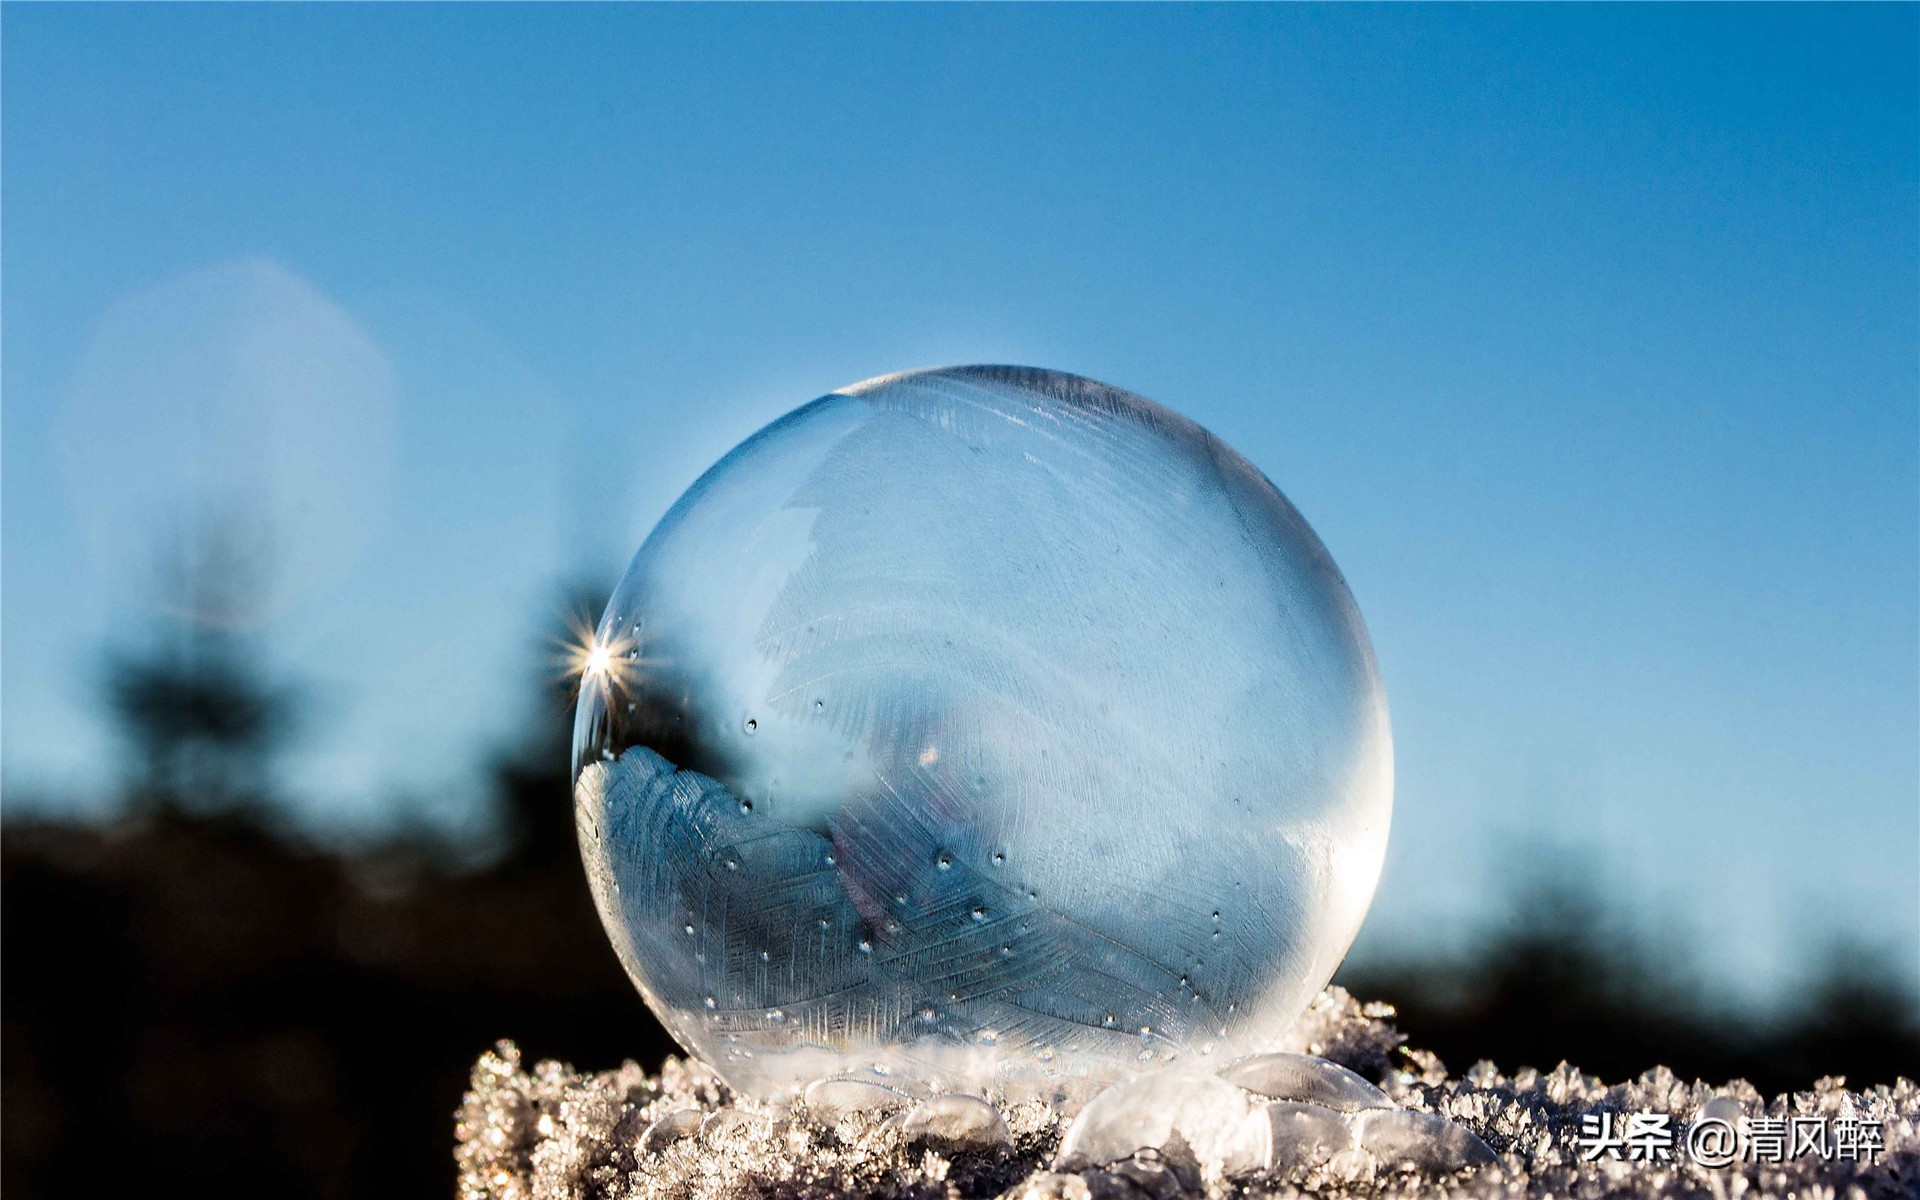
pixel 194 993
pixel 199 993
pixel 1560 975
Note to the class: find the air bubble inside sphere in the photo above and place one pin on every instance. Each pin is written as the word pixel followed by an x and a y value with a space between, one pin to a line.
pixel 985 725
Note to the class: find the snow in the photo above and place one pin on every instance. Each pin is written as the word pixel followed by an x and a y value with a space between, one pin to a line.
pixel 549 1132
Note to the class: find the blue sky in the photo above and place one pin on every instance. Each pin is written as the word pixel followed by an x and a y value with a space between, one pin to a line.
pixel 1586 338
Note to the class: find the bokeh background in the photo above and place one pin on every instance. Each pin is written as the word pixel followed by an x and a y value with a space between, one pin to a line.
pixel 349 352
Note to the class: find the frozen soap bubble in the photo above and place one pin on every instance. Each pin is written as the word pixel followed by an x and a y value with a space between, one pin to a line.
pixel 989 727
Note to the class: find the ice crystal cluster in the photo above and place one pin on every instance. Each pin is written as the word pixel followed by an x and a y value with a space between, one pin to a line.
pixel 988 727
pixel 1277 1125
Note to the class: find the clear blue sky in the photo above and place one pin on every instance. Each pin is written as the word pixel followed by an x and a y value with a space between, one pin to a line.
pixel 1586 338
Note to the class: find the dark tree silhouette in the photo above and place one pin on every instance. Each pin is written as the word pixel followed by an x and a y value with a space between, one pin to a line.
pixel 197 703
pixel 1561 975
pixel 190 995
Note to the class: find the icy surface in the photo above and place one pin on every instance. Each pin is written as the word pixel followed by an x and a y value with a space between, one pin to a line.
pixel 957 1123
pixel 1294 1138
pixel 1305 1078
pixel 1397 1140
pixel 1200 1119
pixel 831 1099
pixel 665 1131
pixel 987 724
pixel 556 1134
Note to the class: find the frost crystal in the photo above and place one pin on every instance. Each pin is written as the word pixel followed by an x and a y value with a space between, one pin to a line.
pixel 554 1134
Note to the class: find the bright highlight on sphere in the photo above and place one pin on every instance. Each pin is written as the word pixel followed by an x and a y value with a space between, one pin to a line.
pixel 987 724
pixel 599 659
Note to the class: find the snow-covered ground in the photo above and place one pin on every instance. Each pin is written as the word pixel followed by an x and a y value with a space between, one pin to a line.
pixel 551 1132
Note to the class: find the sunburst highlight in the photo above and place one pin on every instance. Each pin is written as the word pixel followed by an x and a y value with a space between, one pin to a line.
pixel 584 656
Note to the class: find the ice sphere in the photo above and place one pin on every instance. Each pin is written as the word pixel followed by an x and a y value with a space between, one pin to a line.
pixel 730 1125
pixel 1305 1078
pixel 1168 1112
pixel 1423 1142
pixel 1299 1136
pixel 985 725
pixel 953 1122
pixel 1147 1177
pixel 681 1123
pixel 828 1100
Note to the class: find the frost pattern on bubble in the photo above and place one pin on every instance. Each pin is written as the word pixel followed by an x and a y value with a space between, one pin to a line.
pixel 985 725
